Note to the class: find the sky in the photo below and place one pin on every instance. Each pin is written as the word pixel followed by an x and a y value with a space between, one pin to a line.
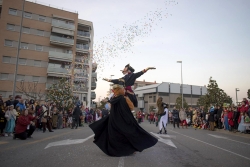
pixel 210 37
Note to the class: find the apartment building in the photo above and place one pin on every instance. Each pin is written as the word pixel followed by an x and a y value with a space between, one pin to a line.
pixel 54 43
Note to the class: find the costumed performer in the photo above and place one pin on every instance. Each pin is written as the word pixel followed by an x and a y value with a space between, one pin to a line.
pixel 160 109
pixel 118 134
pixel 130 78
pixel 163 119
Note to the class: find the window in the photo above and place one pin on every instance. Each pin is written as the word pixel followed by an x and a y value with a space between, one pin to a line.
pixel 6 59
pixel 27 15
pixel 20 77
pixel 154 99
pixel 40 32
pixel 22 61
pixel 39 47
pixel 35 79
pixel 12 11
pixel 150 96
pixel 3 94
pixel 37 63
pixel 8 43
pixel 4 76
pixel 41 18
pixel 26 30
pixel 11 27
pixel 24 45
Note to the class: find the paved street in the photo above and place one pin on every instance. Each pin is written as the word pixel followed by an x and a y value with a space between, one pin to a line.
pixel 180 148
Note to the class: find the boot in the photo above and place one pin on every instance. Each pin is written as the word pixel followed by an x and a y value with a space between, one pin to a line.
pixel 159 132
pixel 165 131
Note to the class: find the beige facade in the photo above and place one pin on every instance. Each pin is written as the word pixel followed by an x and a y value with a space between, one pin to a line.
pixel 54 43
pixel 148 95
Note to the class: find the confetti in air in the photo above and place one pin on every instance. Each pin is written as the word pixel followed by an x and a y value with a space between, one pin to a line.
pixel 123 39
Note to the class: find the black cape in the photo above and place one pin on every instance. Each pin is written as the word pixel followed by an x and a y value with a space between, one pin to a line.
pixel 119 134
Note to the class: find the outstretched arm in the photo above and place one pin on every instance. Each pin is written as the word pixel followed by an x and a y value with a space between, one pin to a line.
pixel 138 74
pixel 115 81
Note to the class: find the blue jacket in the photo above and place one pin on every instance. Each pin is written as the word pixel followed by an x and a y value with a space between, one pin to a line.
pixel 21 106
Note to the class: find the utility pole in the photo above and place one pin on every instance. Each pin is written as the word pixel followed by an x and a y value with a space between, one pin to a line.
pixel 18 51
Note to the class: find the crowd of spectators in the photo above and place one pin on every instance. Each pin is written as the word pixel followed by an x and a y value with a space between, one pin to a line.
pixel 19 117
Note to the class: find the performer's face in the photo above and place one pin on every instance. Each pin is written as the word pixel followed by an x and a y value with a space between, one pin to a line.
pixel 125 70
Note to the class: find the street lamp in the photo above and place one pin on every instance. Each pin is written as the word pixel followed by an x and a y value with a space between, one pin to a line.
pixel 110 84
pixel 236 90
pixel 181 85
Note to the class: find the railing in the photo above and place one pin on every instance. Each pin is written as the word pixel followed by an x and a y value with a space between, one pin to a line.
pixel 93 95
pixel 83 47
pixel 58 23
pixel 82 33
pixel 94 75
pixel 79 60
pixel 60 56
pixel 80 89
pixel 53 6
pixel 61 40
pixel 59 70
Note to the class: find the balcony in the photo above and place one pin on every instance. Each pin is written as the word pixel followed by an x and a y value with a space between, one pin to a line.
pixel 60 56
pixel 58 72
pixel 93 85
pixel 94 75
pixel 62 24
pixel 61 41
pixel 93 95
pixel 80 89
pixel 82 61
pixel 82 48
pixel 82 35
pixel 48 85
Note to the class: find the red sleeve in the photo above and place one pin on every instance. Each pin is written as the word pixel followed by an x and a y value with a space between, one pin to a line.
pixel 23 121
pixel 31 118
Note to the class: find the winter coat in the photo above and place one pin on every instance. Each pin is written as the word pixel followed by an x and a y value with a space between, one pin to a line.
pixel 182 115
pixel 22 123
pixel 230 118
pixel 211 117
pixel 175 114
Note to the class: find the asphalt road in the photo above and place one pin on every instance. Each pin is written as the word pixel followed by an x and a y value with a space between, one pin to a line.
pixel 180 148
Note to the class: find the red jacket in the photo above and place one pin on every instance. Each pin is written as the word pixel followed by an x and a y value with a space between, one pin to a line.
pixel 31 118
pixel 230 118
pixel 243 108
pixel 22 123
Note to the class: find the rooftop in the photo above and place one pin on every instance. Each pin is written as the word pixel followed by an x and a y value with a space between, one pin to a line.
pixel 52 6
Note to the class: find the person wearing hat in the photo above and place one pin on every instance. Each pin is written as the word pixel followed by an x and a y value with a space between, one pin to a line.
pixel 118 134
pixel 129 79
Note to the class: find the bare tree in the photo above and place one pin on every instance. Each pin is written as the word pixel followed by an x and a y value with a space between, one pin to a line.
pixel 30 90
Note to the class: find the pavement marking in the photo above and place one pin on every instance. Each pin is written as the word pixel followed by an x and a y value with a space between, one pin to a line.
pixel 213 145
pixel 166 141
pixel 37 141
pixel 67 142
pixel 221 137
pixel 121 162
pixel 3 142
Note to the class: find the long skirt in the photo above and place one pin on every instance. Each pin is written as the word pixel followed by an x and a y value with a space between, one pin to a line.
pixel 10 126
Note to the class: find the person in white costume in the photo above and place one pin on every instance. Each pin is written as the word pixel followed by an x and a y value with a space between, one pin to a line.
pixel 164 119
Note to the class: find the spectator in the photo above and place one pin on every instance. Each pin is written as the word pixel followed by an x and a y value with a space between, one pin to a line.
pixel 1 100
pixel 75 117
pixel 235 119
pixel 54 117
pixel 10 115
pixel 230 119
pixel 21 126
pixel 10 101
pixel 139 117
pixel 211 119
pixel 176 118
pixel 46 117
pixel 219 113
pixel 183 117
pixel 21 105
pixel 16 101
pixel 241 127
pixel 69 122
pixel 225 118
pixel 60 120
pixel 2 119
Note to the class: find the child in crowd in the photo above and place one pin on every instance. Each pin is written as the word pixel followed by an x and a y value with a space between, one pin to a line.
pixel 247 122
pixel 188 120
pixel 70 118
